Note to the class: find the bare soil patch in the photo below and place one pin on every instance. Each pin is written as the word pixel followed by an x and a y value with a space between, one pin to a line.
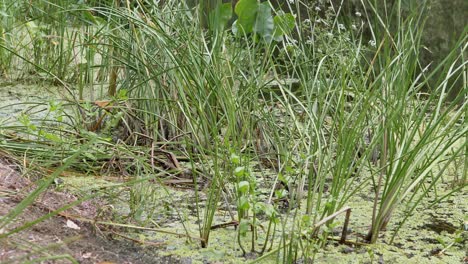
pixel 57 237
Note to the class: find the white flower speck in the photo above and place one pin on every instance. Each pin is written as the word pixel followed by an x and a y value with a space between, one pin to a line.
pixel 353 27
pixel 318 9
pixel 358 13
pixel 341 27
pixel 372 43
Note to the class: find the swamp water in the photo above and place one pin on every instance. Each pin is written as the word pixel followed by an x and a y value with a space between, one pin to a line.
pixel 431 235
pixel 421 239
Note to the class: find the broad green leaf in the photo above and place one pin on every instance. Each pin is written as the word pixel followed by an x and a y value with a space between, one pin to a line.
pixel 122 94
pixel 264 22
pixel 284 179
pixel 243 203
pixel 281 193
pixel 243 186
pixel 235 159
pixel 225 13
pixel 246 11
pixel 260 207
pixel 53 105
pixel 52 137
pixel 270 211
pixel 284 24
pixel 88 17
pixel 239 171
pixel 244 227
pixel 220 16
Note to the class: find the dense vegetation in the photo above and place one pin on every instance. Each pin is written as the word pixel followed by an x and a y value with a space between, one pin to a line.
pixel 277 114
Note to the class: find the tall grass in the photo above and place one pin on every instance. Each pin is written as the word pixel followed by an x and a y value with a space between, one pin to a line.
pixel 413 141
pixel 225 102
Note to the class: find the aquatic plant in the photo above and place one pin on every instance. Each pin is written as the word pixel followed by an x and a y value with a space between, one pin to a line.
pixel 281 117
pixel 416 135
